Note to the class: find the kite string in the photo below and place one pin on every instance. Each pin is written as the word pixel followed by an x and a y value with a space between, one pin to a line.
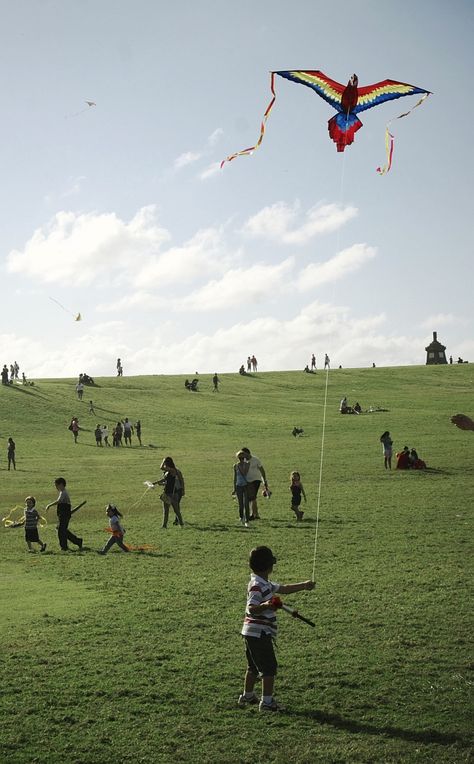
pixel 323 433
pixel 141 497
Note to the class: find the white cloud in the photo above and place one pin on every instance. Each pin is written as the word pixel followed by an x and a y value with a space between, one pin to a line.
pixel 338 267
pixel 77 248
pixel 189 157
pixel 440 319
pixel 285 224
pixel 238 286
pixel 210 171
pixel 215 137
pixel 203 255
pixel 277 343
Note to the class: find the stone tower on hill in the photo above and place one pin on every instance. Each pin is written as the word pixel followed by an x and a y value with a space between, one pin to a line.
pixel 435 351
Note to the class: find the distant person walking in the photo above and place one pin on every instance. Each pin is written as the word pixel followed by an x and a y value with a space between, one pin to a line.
pixel 63 504
pixel 387 444
pixel 105 436
pixel 215 383
pixel 173 491
pixel 118 434
pixel 98 435
pixel 11 453
pixel 240 490
pixel 74 427
pixel 313 362
pixel 119 368
pixel 91 407
pixel 327 362
pixel 297 491
pixel 254 476
pixel 79 390
pixel 249 364
pixel 254 363
pixel 127 431
pixel 138 431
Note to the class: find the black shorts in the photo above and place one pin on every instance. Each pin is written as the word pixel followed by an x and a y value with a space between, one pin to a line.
pixel 252 489
pixel 31 534
pixel 260 654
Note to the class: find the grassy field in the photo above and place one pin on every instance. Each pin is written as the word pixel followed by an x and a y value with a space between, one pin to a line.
pixel 138 658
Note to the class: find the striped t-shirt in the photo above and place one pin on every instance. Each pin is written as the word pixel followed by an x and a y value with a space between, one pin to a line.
pixel 31 518
pixel 260 590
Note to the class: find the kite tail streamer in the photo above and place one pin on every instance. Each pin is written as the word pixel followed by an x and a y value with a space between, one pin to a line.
pixel 249 151
pixel 390 139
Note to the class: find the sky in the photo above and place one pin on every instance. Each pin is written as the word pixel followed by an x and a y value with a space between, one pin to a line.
pixel 120 211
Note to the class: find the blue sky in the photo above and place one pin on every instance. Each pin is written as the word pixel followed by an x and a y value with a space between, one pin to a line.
pixel 119 211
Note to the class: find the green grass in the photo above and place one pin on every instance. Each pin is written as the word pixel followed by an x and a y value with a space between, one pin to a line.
pixel 138 657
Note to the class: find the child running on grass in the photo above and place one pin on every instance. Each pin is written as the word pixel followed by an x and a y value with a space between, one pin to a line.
pixel 260 628
pixel 297 491
pixel 30 520
pixel 116 530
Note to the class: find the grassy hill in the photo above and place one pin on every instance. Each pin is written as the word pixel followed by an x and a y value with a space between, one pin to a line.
pixel 138 657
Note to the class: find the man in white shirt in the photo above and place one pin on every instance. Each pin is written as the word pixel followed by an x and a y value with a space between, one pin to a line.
pixel 254 478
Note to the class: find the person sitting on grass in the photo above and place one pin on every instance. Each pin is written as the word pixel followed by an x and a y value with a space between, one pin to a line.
pixel 297 431
pixel 259 628
pixel 403 459
pixel 116 530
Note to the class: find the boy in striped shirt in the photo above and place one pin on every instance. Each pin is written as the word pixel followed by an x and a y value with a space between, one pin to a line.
pixel 260 628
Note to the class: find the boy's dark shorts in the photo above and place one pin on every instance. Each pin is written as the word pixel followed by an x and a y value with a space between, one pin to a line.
pixel 261 655
pixel 31 534
pixel 252 489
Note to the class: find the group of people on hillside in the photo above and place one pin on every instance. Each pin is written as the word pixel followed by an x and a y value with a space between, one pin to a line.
pixel 252 364
pixel 312 369
pixel 344 407
pixel 406 458
pixel 122 432
pixel 9 377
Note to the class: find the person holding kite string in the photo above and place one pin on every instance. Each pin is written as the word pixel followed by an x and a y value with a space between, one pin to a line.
pixel 63 504
pixel 260 628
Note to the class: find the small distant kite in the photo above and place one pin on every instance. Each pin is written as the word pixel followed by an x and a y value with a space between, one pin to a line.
pixel 76 316
pixel 348 101
pixel 76 113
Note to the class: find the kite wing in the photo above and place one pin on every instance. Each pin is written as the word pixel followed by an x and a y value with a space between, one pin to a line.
pixel 328 89
pixel 387 90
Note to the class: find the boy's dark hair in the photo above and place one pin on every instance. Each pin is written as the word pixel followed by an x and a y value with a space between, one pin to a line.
pixel 261 559
pixel 60 480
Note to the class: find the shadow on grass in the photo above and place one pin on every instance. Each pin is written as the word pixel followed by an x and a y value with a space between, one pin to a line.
pixel 214 528
pixel 426 737
pixel 27 390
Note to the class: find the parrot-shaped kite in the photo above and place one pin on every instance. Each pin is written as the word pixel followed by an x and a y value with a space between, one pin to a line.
pixel 348 101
